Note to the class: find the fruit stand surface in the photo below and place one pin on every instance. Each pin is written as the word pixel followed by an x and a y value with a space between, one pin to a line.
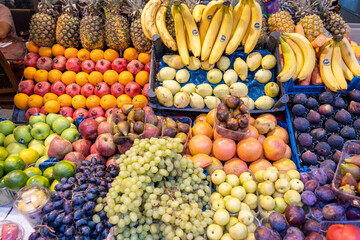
pixel 8 213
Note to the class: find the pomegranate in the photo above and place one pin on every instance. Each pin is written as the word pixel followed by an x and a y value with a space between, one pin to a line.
pixel 96 112
pixel 26 86
pixel 147 67
pixel 88 129
pixel 66 111
pixel 80 112
pixel 145 89
pixel 102 65
pixel 117 89
pixel 101 89
pixel 41 88
pixel 110 111
pixel 59 63
pixel 58 88
pixel 87 90
pixel 42 110
pixel 119 65
pixel 31 111
pixel 30 59
pixel 132 89
pixel 73 89
pixel 135 66
pixel 44 63
pixel 88 66
pixel 73 64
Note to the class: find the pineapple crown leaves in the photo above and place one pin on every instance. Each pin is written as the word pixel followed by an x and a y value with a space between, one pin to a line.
pixel 133 8
pixel 49 7
pixel 91 7
pixel 70 7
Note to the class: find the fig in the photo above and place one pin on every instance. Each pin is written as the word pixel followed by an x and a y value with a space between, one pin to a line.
pixel 354 107
pixel 232 124
pixel 313 117
pixel 356 124
pixel 324 193
pixel 300 98
pixel 223 106
pixel 183 127
pixel 311 103
pixel 352 169
pixel 318 133
pixel 328 164
pixel 298 110
pixel 347 132
pixel 326 110
pixel 244 109
pixel 139 114
pixel 170 123
pixel 354 95
pixel 126 108
pixel 295 215
pixel 335 141
pixel 353 148
pixel 311 226
pixel 222 115
pixel 343 116
pixel 326 97
pixel 337 156
pixel 170 132
pixel 151 118
pixel 339 102
pixel 322 149
pixel 232 101
pixel 138 127
pixel 305 139
pixel 309 198
pixel 151 130
pixel 315 236
pixel 123 127
pixel 331 125
pixel 333 212
pixel 309 158
pixel 348 179
pixel 301 124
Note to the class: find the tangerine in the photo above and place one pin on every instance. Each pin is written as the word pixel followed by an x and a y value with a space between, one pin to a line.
pixel 130 54
pixel 20 101
pixel 78 101
pixel 95 77
pixel 68 77
pixel 70 52
pixel 45 52
pixel 203 128
pixel 65 100
pixel 224 148
pixel 140 98
pixel 83 54
pixel 52 106
pixel 35 101
pixel 111 54
pixel 92 101
pixel 200 144
pixel 54 75
pixel 96 55
pixel 82 78
pixel 123 99
pixel 32 47
pixel 125 77
pixel 144 58
pixel 249 149
pixel 29 73
pixel 49 96
pixel 142 78
pixel 111 77
pixel 107 101
pixel 41 75
pixel 57 50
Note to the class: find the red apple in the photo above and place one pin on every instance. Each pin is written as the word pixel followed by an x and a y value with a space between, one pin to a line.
pixel 105 144
pixel 31 111
pixel 132 89
pixel 102 89
pixel 66 111
pixel 27 87
pixel 145 89
pixel 75 157
pixel 80 112
pixel 58 87
pixel 103 65
pixel 147 67
pixel 88 129
pixel 82 146
pixel 117 89
pixel 42 110
pixel 73 89
pixel 100 119
pixel 112 160
pixel 88 66
pixel 119 65
pixel 59 147
pixel 41 88
pixel 105 127
pixel 73 64
pixel 87 90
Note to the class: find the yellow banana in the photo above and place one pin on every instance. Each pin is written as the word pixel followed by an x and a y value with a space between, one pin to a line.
pixel 150 18
pixel 347 72
pixel 197 12
pixel 298 55
pixel 336 67
pixel 289 69
pixel 237 14
pixel 180 36
pixel 142 19
pixel 207 16
pixel 328 41
pixel 349 57
pixel 255 27
pixel 325 68
pixel 240 30
pixel 223 36
pixel 166 38
pixel 188 44
pixel 243 41
pixel 308 53
pixel 212 34
pixel 192 30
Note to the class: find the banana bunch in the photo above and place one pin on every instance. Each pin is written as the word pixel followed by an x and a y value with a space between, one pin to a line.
pixel 153 22
pixel 337 64
pixel 299 57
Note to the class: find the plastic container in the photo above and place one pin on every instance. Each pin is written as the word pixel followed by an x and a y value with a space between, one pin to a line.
pixel 6 196
pixel 21 231
pixel 354 32
pixel 30 201
pixel 227 133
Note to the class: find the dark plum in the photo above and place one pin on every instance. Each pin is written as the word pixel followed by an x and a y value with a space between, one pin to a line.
pixel 347 132
pixel 294 230
pixel 354 148
pixel 356 124
pixel 277 221
pixel 311 103
pixel 309 157
pixel 326 97
pixel 263 233
pixel 308 198
pixel 354 107
pixel 333 212
pixel 315 236
pixel 337 156
pixel 324 193
pixel 354 95
pixel 311 185
pixel 328 164
pixel 275 235
pixel 352 213
pixel 295 215
pixel 301 124
pixel 318 175
pixel 322 149
pixel 326 110
pixel 343 116
pixel 311 226
pixel 330 174
pixel 339 102
pixel 317 212
pixel 335 141
pixel 294 236
pixel 305 140
pixel 313 117
pixel 304 177
pixel 300 98
pixel 331 125
pixel 318 133
pixel 298 110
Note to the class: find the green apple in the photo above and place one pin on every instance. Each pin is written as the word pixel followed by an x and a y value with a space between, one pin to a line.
pixel 221 217
pixel 267 203
pixel 280 204
pixel 41 160
pixel 60 124
pixel 232 179
pixel 51 117
pixel 9 139
pixel 39 148
pixel 246 217
pixel 2 138
pixel 218 176
pixel 22 134
pixel 233 204
pixel 244 177
pixel 218 204
pixel 15 148
pixel 73 126
pixel 50 138
pixel 238 231
pixel 225 189
pixel 292 197
pixel 70 119
pixel 250 186
pixel 251 200
pixel 40 131
pixel 71 134
pixel 232 222
pixel 7 127
pixel 214 232
pixel 37 117
pixel 267 188
pixel 35 142
pixel 238 192
pixel 46 149
pixel 282 185
pixel 259 176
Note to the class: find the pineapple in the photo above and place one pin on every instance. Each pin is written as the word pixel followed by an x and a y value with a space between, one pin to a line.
pixel 43 25
pixel 281 22
pixel 313 26
pixel 68 24
pixel 264 28
pixel 333 22
pixel 117 33
pixel 91 26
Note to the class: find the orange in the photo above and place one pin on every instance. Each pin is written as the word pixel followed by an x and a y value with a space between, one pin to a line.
pixel 70 52
pixel 58 50
pixel 31 47
pixel 140 98
pixel 83 54
pixel 202 128
pixel 68 77
pixel 130 54
pixel 92 101
pixel 122 99
pixel 81 78
pixel 54 75
pixel 52 106
pixel 224 149
pixel 20 101
pixel 95 77
pixel 200 144
pixel 144 58
pixel 78 101
pixel 45 52
pixel 111 77
pixel 125 77
pixel 111 54
pixel 29 73
pixel 96 55
pixel 249 149
pixel 64 100
pixel 41 75
pixel 49 96
pixel 142 78
pixel 35 101
pixel 107 101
